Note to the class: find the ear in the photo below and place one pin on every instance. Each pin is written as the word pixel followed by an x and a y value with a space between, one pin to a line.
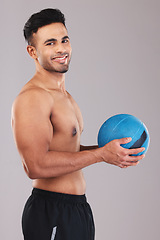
pixel 32 51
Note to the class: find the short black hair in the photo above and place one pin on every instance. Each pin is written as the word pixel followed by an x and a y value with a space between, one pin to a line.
pixel 40 19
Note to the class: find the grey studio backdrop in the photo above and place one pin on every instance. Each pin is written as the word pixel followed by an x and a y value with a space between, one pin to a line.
pixel 114 69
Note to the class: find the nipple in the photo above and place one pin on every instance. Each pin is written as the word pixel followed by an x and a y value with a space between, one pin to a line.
pixel 74 132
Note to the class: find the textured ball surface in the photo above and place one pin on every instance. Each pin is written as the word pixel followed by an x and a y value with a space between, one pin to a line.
pixel 122 126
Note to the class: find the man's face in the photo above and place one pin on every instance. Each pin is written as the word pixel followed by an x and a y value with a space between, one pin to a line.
pixel 53 47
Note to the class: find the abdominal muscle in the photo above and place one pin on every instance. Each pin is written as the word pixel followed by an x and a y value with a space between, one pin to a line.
pixel 72 183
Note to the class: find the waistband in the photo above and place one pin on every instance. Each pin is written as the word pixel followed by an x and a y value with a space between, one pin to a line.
pixel 60 196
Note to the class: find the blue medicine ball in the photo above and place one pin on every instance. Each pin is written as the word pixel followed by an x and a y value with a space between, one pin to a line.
pixel 122 126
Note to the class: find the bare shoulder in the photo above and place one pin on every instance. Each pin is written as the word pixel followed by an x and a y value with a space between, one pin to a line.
pixel 32 98
pixel 72 100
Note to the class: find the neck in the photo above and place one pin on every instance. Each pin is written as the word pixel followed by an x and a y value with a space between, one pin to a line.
pixel 50 80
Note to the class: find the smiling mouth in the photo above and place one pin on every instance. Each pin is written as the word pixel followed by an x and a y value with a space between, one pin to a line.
pixel 61 59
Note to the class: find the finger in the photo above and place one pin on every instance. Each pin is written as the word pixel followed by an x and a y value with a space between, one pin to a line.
pixel 134 159
pixel 124 140
pixel 124 166
pixel 131 161
pixel 128 164
pixel 135 150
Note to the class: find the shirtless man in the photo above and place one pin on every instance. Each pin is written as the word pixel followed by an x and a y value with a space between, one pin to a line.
pixel 47 125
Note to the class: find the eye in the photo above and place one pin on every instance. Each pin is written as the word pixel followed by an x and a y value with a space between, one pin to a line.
pixel 50 44
pixel 65 41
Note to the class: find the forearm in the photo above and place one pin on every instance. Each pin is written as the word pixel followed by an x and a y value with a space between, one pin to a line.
pixel 56 164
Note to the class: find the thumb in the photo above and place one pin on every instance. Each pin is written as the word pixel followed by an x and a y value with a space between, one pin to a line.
pixel 125 140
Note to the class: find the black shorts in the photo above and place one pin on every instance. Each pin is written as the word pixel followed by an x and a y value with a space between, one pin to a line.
pixel 57 216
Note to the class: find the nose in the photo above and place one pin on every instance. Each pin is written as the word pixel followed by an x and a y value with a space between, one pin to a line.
pixel 60 48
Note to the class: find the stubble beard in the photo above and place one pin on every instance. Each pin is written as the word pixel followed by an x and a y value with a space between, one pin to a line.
pixel 62 69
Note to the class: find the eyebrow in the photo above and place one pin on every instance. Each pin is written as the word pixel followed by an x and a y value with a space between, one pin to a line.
pixel 54 39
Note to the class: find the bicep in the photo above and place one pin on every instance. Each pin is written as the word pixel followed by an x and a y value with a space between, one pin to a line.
pixel 32 128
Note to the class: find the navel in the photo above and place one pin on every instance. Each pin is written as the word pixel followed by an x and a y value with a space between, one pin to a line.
pixel 74 132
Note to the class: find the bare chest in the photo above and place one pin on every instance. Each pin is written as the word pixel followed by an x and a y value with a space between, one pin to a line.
pixel 66 117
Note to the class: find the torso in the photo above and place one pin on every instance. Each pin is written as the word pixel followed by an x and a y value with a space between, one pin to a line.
pixel 67 126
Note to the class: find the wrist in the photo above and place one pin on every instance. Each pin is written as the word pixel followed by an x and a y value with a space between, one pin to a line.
pixel 98 153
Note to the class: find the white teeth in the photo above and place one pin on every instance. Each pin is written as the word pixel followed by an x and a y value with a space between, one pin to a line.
pixel 61 58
